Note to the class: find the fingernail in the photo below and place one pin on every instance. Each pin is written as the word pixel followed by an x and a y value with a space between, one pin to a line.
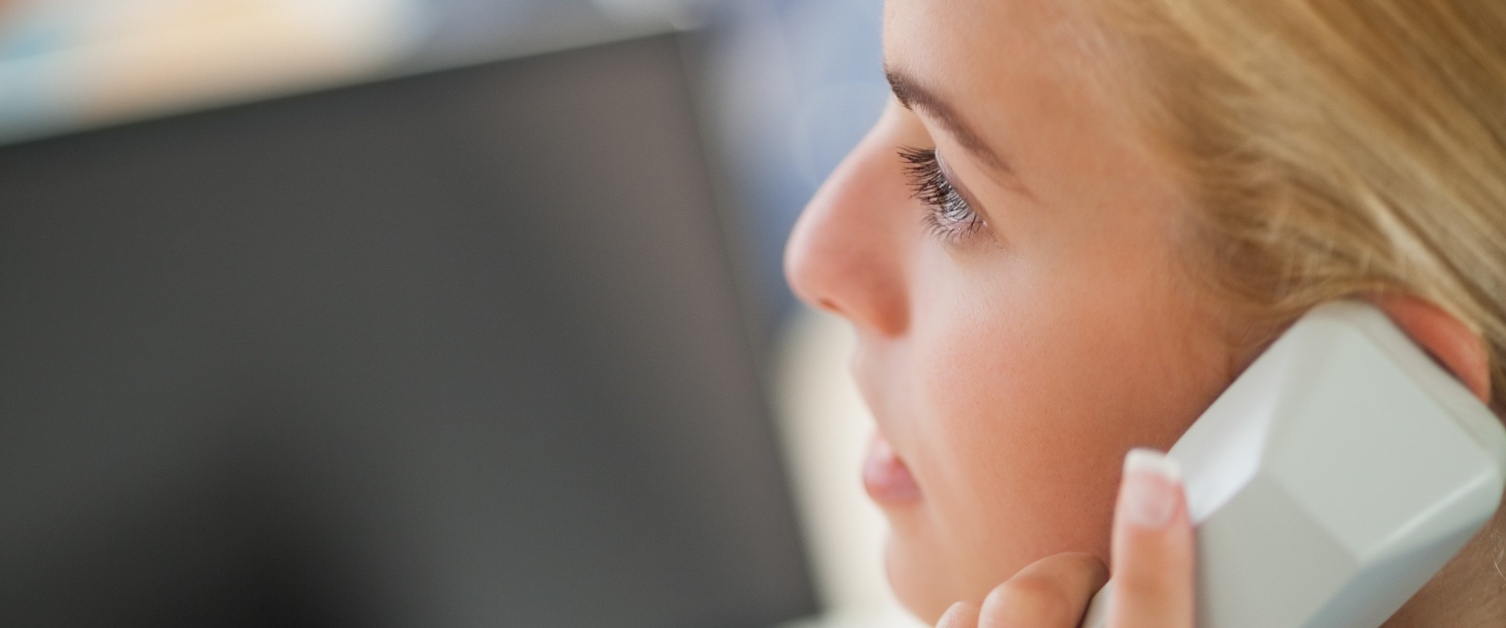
pixel 1151 484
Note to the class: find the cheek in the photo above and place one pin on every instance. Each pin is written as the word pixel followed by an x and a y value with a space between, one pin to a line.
pixel 1029 394
pixel 1019 460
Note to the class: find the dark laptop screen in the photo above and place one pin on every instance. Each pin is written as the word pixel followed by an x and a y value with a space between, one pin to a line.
pixel 458 349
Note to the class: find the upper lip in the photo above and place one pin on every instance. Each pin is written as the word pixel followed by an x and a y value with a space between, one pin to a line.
pixel 862 377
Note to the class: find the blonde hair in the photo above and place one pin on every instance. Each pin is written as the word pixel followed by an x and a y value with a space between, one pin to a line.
pixel 1333 147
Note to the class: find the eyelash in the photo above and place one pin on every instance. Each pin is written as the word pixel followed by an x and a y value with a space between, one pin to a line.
pixel 948 216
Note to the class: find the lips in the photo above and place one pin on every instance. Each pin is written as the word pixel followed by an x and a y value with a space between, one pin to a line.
pixel 886 477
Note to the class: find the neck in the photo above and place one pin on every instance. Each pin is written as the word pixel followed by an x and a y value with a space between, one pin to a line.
pixel 1469 591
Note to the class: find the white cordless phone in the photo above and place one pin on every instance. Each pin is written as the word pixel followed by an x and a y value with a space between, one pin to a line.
pixel 1333 478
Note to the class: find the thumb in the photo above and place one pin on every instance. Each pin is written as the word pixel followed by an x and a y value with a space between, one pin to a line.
pixel 1152 546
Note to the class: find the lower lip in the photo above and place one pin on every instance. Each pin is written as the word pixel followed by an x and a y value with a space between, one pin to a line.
pixel 886 477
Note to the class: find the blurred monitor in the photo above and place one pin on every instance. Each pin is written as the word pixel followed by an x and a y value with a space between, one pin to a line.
pixel 451 350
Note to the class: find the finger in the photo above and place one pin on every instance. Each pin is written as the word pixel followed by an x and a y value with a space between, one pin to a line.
pixel 1051 592
pixel 1153 546
pixel 960 615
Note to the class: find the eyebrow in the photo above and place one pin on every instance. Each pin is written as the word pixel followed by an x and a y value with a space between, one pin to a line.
pixel 913 96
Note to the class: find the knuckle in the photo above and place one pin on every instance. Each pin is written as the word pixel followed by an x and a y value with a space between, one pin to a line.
pixel 1088 565
pixel 1029 599
pixel 960 615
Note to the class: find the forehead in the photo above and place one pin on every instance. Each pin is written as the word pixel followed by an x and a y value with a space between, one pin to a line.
pixel 988 35
pixel 1000 57
pixel 1003 65
pixel 987 63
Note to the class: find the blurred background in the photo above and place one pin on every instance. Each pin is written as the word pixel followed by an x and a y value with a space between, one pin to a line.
pixel 427 313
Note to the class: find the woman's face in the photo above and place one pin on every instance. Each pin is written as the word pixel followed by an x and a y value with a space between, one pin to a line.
pixel 1023 330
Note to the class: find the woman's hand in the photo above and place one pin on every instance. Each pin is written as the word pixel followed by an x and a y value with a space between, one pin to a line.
pixel 1153 564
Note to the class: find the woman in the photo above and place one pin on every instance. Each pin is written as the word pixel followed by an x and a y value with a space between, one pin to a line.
pixel 1078 221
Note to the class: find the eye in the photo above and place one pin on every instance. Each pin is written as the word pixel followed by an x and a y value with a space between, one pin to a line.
pixel 948 215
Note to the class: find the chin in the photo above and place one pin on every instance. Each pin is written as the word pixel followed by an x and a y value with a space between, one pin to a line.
pixel 913 576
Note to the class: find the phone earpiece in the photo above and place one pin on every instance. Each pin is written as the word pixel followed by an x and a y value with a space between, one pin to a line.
pixel 1334 477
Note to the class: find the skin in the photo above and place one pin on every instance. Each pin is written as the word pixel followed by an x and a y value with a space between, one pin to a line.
pixel 1011 368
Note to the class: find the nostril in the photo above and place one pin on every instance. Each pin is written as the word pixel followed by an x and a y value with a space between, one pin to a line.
pixel 829 305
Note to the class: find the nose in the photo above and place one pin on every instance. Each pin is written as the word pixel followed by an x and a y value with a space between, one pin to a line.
pixel 847 252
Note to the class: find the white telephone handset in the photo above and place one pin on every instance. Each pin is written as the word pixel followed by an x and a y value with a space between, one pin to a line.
pixel 1333 478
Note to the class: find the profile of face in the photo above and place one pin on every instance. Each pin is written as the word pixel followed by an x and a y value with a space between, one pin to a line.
pixel 1012 259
